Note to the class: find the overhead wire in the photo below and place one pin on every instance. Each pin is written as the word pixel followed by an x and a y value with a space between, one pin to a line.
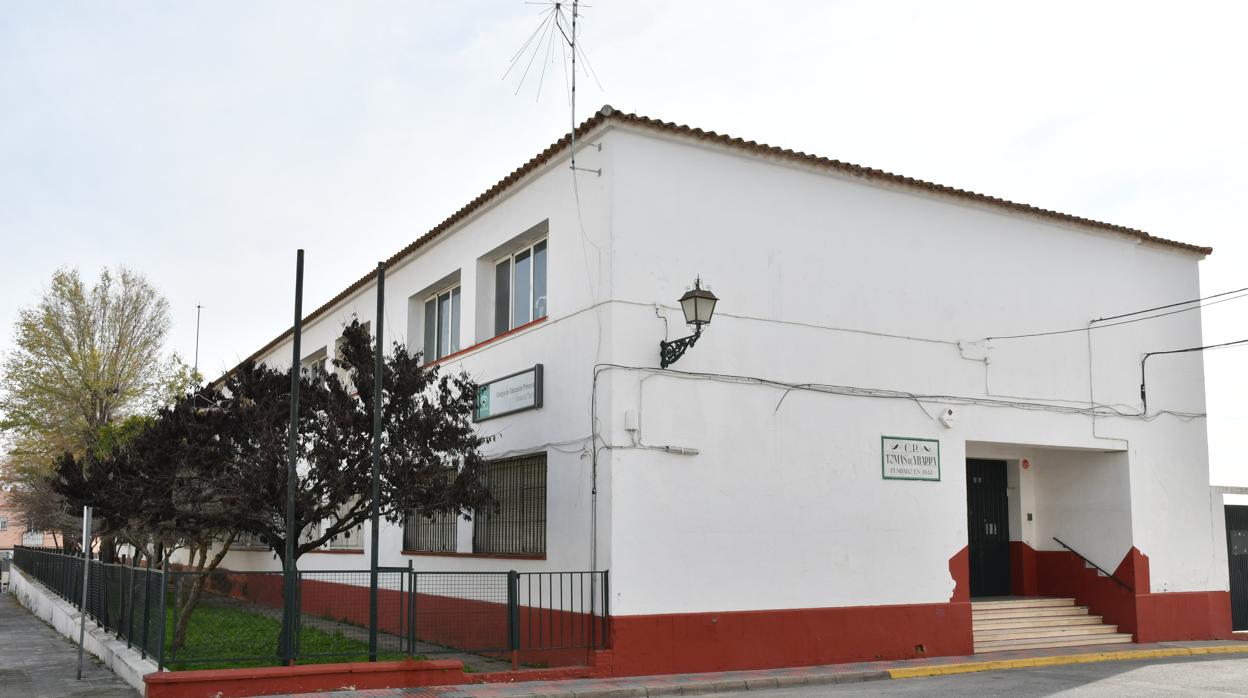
pixel 1171 305
pixel 1144 361
pixel 1242 294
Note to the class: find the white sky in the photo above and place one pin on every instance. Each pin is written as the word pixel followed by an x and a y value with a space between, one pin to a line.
pixel 202 142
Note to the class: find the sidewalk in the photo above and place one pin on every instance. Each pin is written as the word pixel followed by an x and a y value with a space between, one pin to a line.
pixel 688 684
pixel 36 661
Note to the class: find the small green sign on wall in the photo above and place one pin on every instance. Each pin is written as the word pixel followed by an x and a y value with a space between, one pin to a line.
pixel 906 458
pixel 510 394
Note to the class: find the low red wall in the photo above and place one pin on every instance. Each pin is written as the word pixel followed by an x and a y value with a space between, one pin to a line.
pixel 1023 569
pixel 1194 615
pixel 1161 617
pixel 229 683
pixel 694 642
pixel 1062 573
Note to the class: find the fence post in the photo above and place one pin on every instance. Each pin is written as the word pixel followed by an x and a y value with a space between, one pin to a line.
pixel 129 604
pixel 86 571
pixel 411 609
pixel 147 607
pixel 513 617
pixel 164 593
pixel 296 619
pixel 606 608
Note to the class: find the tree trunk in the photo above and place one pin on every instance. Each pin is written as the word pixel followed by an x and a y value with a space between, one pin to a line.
pixel 188 595
pixel 108 549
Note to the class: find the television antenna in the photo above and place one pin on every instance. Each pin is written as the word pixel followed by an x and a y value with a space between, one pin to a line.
pixel 558 25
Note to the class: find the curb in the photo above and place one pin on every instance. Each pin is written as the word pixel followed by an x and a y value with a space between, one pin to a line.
pixel 716 686
pixel 1089 658
pixel 824 678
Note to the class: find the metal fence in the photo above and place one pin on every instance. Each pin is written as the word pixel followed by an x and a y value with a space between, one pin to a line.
pixel 125 600
pixel 489 620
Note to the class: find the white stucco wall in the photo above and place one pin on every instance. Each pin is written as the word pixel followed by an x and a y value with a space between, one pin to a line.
pixel 823 280
pixel 785 507
pixel 566 344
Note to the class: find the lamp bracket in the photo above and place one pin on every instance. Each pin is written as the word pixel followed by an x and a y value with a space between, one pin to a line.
pixel 670 352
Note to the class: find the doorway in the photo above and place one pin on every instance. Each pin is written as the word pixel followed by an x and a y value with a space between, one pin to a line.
pixel 1237 557
pixel 987 524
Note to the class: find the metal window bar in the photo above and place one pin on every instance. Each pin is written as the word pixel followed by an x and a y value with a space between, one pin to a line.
pixel 516 523
pixel 436 534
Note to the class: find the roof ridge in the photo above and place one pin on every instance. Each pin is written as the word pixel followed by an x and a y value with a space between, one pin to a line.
pixel 874 173
pixel 609 113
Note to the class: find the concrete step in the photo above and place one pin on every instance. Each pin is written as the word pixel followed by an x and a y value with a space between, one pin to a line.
pixel 1032 633
pixel 1040 612
pixel 1042 643
pixel 1037 602
pixel 1042 622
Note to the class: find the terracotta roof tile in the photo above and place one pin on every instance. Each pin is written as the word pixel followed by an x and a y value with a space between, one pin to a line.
pixel 607 113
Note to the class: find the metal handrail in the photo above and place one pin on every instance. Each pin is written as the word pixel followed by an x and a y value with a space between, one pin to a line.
pixel 1100 569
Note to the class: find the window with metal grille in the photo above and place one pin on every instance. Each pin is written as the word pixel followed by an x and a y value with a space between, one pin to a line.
pixel 431 535
pixel 516 524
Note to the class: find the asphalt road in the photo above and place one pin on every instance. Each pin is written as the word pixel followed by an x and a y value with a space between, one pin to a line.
pixel 1187 676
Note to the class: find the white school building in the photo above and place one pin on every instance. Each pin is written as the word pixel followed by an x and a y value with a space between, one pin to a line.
pixel 877 432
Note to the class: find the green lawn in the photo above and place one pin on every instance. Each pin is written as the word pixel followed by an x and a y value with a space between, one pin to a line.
pixel 221 637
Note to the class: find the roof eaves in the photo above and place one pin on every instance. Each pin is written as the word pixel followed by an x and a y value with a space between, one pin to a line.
pixel 608 113
pixel 882 176
pixel 467 210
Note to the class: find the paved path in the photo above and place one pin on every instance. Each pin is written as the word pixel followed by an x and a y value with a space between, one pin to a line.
pixel 37 662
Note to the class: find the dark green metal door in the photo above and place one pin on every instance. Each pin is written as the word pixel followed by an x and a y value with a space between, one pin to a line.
pixel 1237 555
pixel 988 530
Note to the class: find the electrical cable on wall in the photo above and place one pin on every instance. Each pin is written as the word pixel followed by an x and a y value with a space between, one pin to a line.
pixel 555 25
pixel 1171 305
pixel 1242 293
pixel 1144 361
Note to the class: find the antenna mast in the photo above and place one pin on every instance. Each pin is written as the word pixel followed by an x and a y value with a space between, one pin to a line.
pixel 572 43
pixel 556 26
pixel 198 310
pixel 575 4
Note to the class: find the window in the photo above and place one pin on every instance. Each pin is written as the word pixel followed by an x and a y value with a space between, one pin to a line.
pixel 316 365
pixel 4 524
pixel 442 324
pixel 248 541
pixel 432 535
pixel 350 539
pixel 520 288
pixel 518 525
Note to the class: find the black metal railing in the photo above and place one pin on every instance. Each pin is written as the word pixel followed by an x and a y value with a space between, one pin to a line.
pixel 490 620
pixel 1100 569
pixel 126 600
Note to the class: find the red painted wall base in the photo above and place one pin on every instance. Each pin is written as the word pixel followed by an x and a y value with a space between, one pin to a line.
pixel 231 683
pixel 1191 615
pixel 1160 617
pixel 691 642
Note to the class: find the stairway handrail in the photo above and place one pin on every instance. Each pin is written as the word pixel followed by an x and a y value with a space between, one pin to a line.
pixel 1100 569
